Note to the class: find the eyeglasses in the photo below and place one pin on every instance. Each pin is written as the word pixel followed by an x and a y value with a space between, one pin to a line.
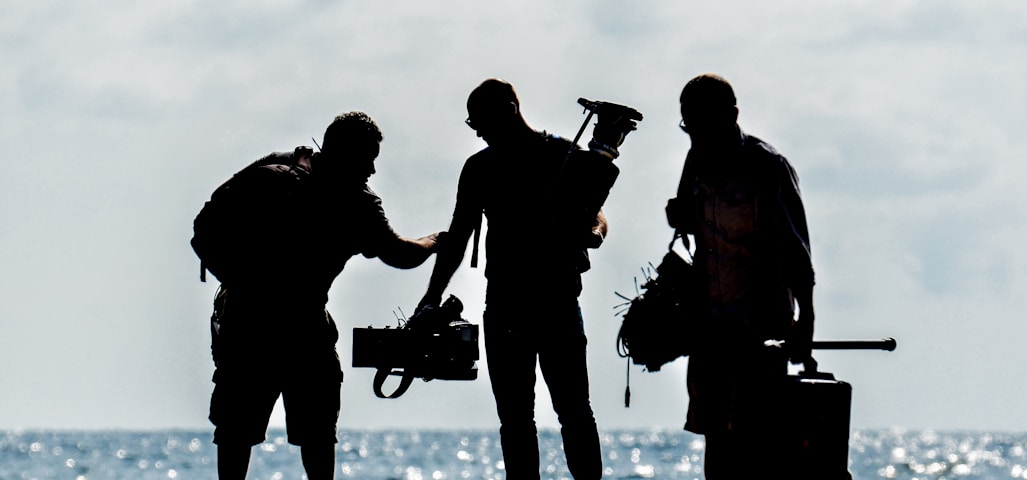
pixel 470 123
pixel 682 126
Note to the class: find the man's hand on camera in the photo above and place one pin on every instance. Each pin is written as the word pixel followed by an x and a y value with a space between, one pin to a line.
pixel 428 302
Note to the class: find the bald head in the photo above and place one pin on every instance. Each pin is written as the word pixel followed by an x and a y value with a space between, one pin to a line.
pixel 708 89
pixel 708 107
pixel 492 92
pixel 493 111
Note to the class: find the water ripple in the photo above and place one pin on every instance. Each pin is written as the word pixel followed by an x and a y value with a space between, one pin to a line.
pixel 451 455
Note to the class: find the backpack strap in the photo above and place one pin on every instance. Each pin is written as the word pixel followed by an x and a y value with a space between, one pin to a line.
pixel 474 247
pixel 477 236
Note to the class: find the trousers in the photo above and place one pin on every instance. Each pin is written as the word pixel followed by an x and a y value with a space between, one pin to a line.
pixel 555 339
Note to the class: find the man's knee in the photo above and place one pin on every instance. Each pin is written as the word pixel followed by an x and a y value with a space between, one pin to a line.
pixel 572 404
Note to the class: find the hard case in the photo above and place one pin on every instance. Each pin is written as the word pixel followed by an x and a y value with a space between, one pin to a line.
pixel 817 415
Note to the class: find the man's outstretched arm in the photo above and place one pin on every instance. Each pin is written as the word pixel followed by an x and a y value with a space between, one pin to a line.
pixel 409 253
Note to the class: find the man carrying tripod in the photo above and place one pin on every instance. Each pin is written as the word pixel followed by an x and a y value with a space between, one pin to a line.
pixel 542 196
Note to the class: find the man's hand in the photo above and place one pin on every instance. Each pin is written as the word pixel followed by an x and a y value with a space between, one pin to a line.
pixel 422 315
pixel 799 344
pixel 606 139
pixel 428 302
pixel 433 241
pixel 613 125
pixel 612 132
pixel 597 234
pixel 800 337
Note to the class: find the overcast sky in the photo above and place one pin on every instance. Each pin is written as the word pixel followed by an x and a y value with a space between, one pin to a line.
pixel 905 121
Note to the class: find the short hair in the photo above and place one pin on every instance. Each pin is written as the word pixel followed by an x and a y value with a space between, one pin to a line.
pixel 349 127
pixel 492 91
pixel 709 90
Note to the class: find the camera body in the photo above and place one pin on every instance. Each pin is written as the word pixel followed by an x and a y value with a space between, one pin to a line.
pixel 435 343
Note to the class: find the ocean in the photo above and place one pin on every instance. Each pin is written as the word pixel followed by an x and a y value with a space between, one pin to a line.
pixel 472 454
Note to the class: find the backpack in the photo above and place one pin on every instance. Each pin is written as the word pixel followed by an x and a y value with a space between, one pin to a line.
pixel 216 227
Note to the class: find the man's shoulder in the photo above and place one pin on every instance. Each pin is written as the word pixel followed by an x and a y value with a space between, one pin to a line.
pixel 479 163
pixel 556 146
pixel 762 152
pixel 284 165
pixel 276 157
pixel 369 195
pixel 479 156
pixel 273 164
pixel 555 140
pixel 757 146
pixel 365 203
pixel 282 170
pixel 543 145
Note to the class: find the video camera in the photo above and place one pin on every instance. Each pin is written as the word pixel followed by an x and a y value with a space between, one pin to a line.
pixel 435 343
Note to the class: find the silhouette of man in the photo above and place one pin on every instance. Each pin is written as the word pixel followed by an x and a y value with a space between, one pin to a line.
pixel 543 213
pixel 291 221
pixel 740 200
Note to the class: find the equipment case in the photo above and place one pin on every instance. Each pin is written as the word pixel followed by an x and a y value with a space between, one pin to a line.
pixel 816 415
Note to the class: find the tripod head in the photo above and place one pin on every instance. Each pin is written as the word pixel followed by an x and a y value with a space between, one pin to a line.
pixel 615 121
pixel 610 109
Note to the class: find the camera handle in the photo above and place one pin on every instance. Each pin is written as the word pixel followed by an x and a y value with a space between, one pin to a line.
pixel 383 374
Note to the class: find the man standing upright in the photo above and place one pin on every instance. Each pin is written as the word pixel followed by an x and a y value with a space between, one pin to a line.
pixel 276 235
pixel 542 196
pixel 740 200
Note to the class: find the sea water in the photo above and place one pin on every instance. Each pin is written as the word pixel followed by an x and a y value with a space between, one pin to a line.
pixel 474 454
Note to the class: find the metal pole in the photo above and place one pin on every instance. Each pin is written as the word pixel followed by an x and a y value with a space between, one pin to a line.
pixel 887 344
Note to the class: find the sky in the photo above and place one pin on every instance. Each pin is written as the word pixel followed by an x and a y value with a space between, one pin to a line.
pixel 905 121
